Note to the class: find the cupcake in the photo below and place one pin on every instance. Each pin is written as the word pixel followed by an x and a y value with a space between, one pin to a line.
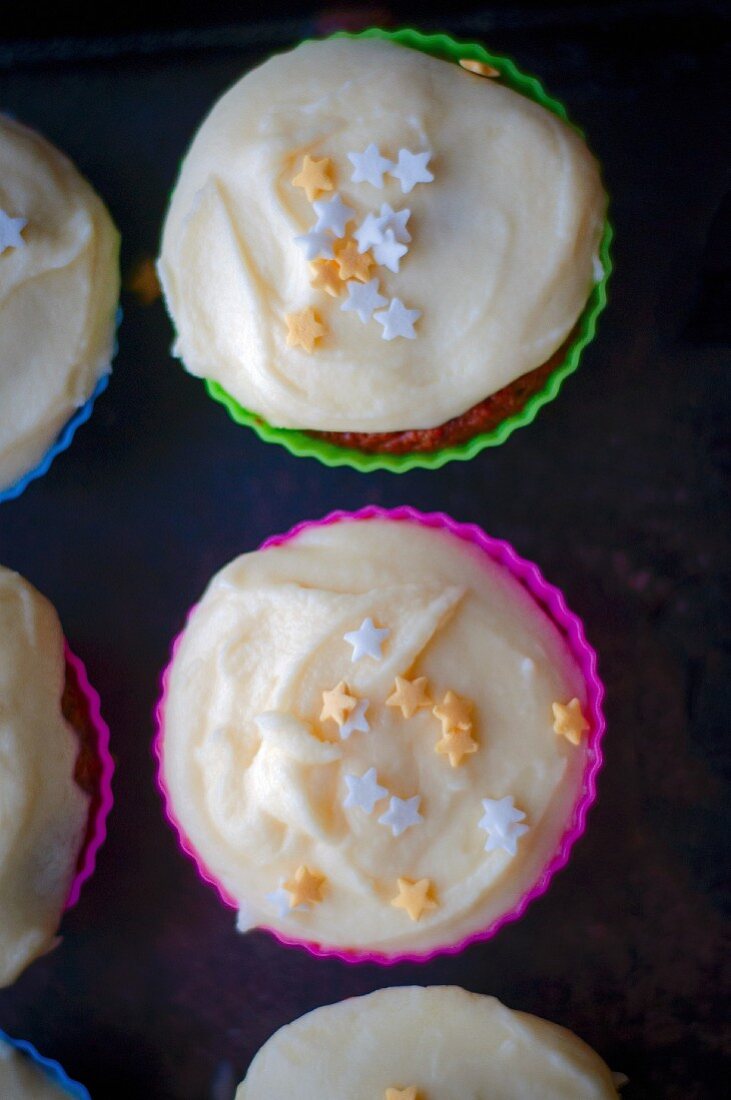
pixel 379 735
pixel 434 1043
pixel 59 285
pixel 54 776
pixel 376 255
pixel 26 1075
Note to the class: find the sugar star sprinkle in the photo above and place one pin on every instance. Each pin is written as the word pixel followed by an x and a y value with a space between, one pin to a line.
pixel 410 695
pixel 334 215
pixel 396 220
pixel 304 329
pixel 367 640
pixel 314 176
pixel 326 276
pixel 353 264
pixel 501 823
pixel 279 900
pixel 456 744
pixel 369 232
pixel 357 722
pixel 414 897
pixel 337 704
pixel 305 888
pixel 369 166
pixel 363 298
pixel 316 245
pixel 454 712
pixel 10 232
pixel 364 791
pixel 401 814
pixel 397 320
pixel 569 722
pixel 480 68
pixel 411 169
pixel 389 252
pixel 401 1094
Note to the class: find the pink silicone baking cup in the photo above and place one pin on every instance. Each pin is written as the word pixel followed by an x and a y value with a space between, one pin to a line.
pixel 101 796
pixel 552 602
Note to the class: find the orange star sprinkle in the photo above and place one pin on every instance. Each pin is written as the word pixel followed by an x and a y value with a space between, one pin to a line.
pixel 143 282
pixel 481 68
pixel 337 704
pixel 402 1094
pixel 569 722
pixel 305 888
pixel 326 276
pixel 303 329
pixel 457 744
pixel 352 263
pixel 414 897
pixel 314 176
pixel 454 713
pixel 410 695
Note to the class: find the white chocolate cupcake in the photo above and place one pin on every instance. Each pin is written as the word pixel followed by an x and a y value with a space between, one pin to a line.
pixel 435 1043
pixel 373 738
pixel 59 285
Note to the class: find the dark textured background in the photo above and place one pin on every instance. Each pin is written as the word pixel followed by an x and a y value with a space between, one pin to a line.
pixel 618 491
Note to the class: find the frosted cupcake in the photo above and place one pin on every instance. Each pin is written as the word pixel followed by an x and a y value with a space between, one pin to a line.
pixel 59 285
pixel 434 1043
pixel 54 776
pixel 380 247
pixel 379 736
pixel 26 1075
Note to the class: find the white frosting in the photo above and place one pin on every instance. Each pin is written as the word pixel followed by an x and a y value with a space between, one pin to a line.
pixel 260 796
pixel 22 1079
pixel 449 1044
pixel 500 264
pixel 43 813
pixel 58 296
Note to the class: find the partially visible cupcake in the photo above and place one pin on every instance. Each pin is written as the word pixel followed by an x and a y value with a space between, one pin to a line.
pixel 55 772
pixel 26 1075
pixel 373 250
pixel 59 287
pixel 379 735
pixel 434 1043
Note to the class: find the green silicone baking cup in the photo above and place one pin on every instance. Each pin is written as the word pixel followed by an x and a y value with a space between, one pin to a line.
pixel 303 445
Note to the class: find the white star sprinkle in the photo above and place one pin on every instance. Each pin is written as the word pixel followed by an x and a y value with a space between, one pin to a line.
pixel 402 813
pixel 369 166
pixel 333 215
pixel 365 791
pixel 396 220
pixel 280 901
pixel 389 251
pixel 363 298
pixel 317 244
pixel 500 822
pixel 369 233
pixel 367 640
pixel 356 721
pixel 10 231
pixel 412 169
pixel 397 320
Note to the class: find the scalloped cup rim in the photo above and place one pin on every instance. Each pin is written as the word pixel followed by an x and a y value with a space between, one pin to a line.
pixel 551 600
pixel 53 1069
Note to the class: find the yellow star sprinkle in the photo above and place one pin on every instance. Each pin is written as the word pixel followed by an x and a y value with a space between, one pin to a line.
pixel 402 1094
pixel 338 703
pixel 478 67
pixel 457 744
pixel 454 713
pixel 326 276
pixel 305 888
pixel 569 722
pixel 314 176
pixel 352 263
pixel 414 897
pixel 410 695
pixel 303 329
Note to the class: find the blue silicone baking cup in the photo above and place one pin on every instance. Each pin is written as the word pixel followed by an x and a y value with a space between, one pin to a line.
pixel 53 1071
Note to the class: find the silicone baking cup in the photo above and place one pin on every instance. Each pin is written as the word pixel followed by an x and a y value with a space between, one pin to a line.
pixel 552 602
pixel 301 444
pixel 51 1069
